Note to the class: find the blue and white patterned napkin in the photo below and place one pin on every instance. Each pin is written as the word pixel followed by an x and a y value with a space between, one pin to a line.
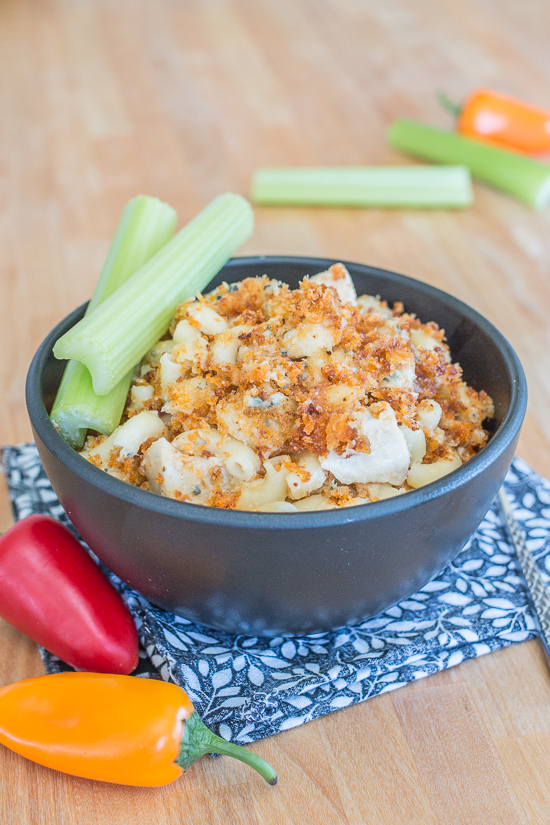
pixel 246 688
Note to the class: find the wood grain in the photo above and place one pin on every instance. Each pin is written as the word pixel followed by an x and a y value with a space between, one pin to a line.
pixel 465 780
pixel 183 99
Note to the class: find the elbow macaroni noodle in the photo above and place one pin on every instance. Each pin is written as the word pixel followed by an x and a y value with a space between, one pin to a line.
pixel 277 400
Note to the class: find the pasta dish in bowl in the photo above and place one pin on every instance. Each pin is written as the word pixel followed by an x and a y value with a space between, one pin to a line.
pixel 266 398
pixel 283 568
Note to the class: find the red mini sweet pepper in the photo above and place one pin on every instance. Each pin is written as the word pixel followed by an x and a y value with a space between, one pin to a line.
pixel 52 590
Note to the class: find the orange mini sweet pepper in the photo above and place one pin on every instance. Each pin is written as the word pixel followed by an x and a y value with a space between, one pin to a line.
pixel 502 120
pixel 112 728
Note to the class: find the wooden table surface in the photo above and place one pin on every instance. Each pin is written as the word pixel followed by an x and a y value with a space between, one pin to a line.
pixel 183 99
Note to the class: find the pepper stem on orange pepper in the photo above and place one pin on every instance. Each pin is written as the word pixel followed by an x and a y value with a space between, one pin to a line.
pixel 198 740
pixel 453 108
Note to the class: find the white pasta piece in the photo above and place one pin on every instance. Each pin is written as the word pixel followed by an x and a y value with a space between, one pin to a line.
pixel 428 414
pixel 240 461
pixel 310 503
pixel 173 474
pixel 225 346
pixel 185 333
pixel 194 353
pixel 155 353
pixel 209 321
pixel 341 356
pixel 382 491
pixel 272 487
pixel 368 303
pixel 243 351
pixel 161 465
pixel 302 484
pixel 195 442
pixel 191 348
pixel 421 474
pixel 343 394
pixel 416 442
pixel 131 435
pixel 422 340
pixel 388 460
pixel 401 379
pixel 139 395
pixel 307 339
pixel 339 278
pixel 402 370
pixel 278 507
pixel 101 452
pixel 314 365
pixel 170 372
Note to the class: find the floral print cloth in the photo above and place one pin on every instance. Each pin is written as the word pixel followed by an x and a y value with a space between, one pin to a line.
pixel 245 688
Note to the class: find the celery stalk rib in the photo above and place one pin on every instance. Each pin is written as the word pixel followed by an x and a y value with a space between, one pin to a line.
pixel 518 175
pixel 145 226
pixel 378 186
pixel 117 333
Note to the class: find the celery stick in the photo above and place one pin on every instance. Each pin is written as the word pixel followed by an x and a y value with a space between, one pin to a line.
pixel 393 186
pixel 117 333
pixel 78 408
pixel 518 175
pixel 145 226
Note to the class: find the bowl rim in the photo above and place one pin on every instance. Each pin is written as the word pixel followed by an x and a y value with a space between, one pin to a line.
pixel 186 511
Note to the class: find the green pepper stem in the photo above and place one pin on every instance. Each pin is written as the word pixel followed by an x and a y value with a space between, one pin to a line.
pixel 448 104
pixel 197 740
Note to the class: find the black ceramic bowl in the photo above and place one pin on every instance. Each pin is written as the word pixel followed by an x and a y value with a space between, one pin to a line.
pixel 271 574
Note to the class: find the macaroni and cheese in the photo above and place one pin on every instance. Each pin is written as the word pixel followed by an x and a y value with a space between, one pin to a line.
pixel 265 398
